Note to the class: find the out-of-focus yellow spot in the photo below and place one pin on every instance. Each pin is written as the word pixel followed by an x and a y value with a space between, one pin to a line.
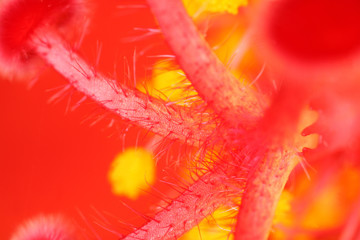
pixel 331 206
pixel 215 227
pixel 283 215
pixel 215 6
pixel 132 171
pixel 283 209
pixel 325 212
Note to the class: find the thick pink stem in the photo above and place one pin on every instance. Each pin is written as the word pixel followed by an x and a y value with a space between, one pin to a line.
pixel 174 122
pixel 261 196
pixel 198 201
pixel 232 100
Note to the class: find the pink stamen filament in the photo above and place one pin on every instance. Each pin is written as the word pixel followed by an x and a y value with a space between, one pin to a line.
pixel 232 100
pixel 173 122
pixel 194 204
pixel 261 196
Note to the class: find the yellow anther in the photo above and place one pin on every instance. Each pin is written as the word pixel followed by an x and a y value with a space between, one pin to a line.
pixel 132 171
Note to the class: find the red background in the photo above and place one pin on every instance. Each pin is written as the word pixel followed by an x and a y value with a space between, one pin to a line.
pixel 53 160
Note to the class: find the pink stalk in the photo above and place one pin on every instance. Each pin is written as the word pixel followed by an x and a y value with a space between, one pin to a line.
pixel 172 121
pixel 194 204
pixel 277 154
pixel 261 196
pixel 233 101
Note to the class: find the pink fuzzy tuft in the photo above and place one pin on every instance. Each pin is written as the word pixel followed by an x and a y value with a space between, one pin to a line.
pixel 18 21
pixel 45 228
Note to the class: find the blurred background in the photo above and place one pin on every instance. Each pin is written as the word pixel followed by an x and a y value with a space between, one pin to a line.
pixel 56 161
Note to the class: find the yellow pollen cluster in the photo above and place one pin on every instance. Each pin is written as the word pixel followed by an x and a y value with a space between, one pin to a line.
pixel 132 171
